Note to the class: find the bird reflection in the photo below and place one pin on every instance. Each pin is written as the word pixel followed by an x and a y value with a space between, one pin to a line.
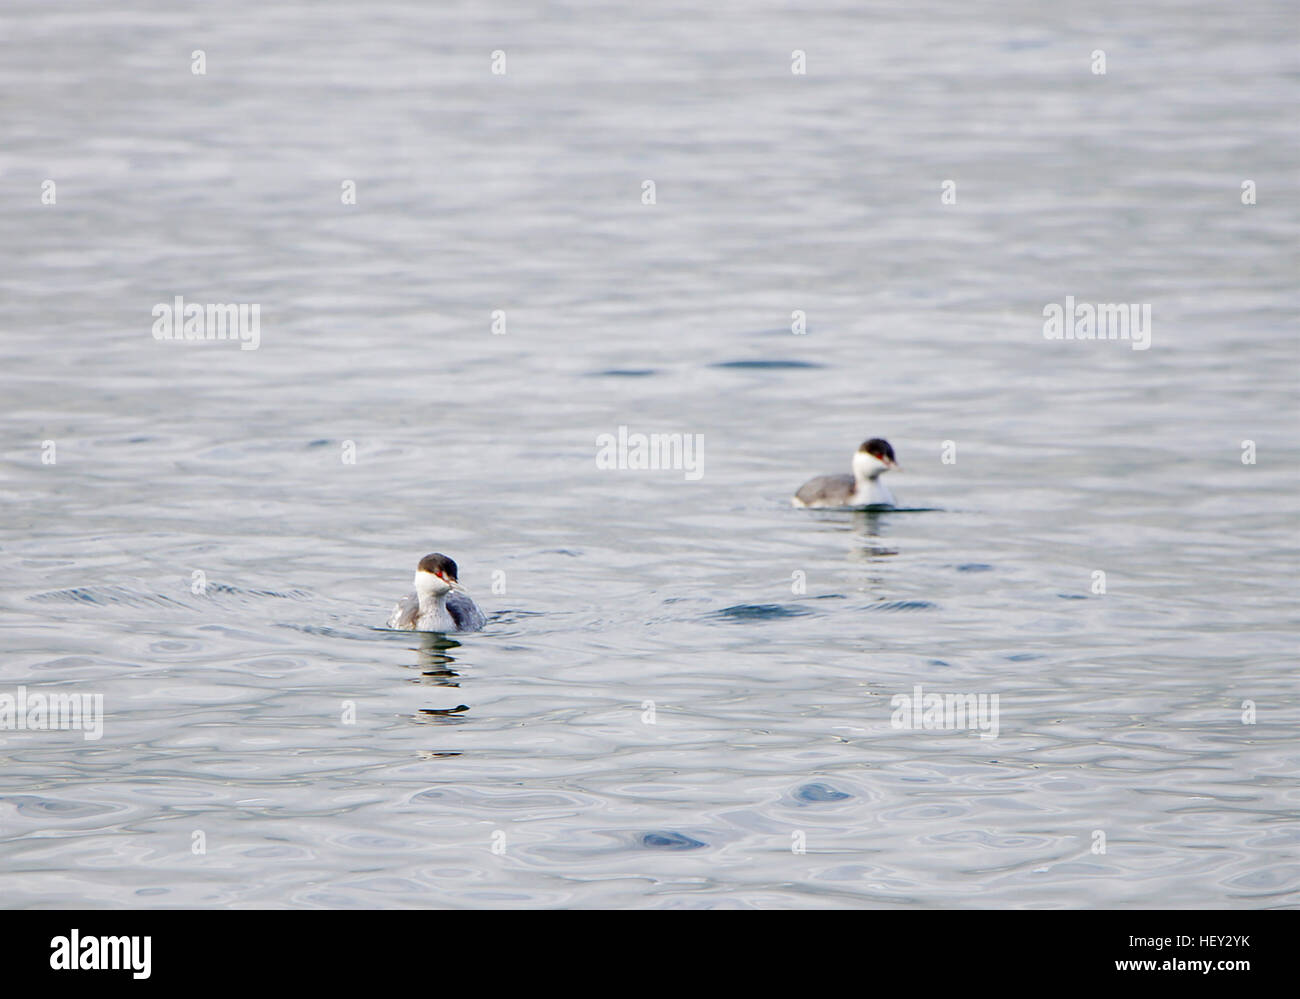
pixel 436 666
pixel 444 712
pixel 868 526
pixel 436 660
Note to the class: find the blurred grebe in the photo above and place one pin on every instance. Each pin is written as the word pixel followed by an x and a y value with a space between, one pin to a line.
pixel 862 488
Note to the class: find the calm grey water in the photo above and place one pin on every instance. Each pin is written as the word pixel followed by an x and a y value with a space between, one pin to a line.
pixel 684 684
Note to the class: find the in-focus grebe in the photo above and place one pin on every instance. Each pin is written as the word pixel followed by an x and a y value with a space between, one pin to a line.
pixel 438 603
pixel 862 488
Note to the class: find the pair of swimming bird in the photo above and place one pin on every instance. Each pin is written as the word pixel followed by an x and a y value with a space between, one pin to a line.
pixel 440 603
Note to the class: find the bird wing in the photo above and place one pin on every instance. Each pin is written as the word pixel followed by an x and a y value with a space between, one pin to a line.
pixel 404 613
pixel 464 612
pixel 826 488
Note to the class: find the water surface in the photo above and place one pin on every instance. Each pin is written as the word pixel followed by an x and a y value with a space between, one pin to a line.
pixel 684 683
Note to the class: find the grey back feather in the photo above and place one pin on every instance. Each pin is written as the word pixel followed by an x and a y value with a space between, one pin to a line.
pixel 827 490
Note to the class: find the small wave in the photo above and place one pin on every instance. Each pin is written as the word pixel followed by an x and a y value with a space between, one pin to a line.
pixel 107 595
pixel 31 804
pixel 510 615
pixel 326 631
pixel 903 605
pixel 817 793
pixel 670 841
pixel 760 612
pixel 239 591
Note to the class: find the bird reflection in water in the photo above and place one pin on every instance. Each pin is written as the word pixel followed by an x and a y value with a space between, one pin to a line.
pixel 870 551
pixel 436 670
pixel 868 526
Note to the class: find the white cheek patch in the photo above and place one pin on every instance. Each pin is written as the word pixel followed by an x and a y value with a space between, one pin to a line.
pixel 428 581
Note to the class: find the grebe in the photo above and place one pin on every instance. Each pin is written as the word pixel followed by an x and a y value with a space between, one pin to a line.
pixel 438 603
pixel 862 488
